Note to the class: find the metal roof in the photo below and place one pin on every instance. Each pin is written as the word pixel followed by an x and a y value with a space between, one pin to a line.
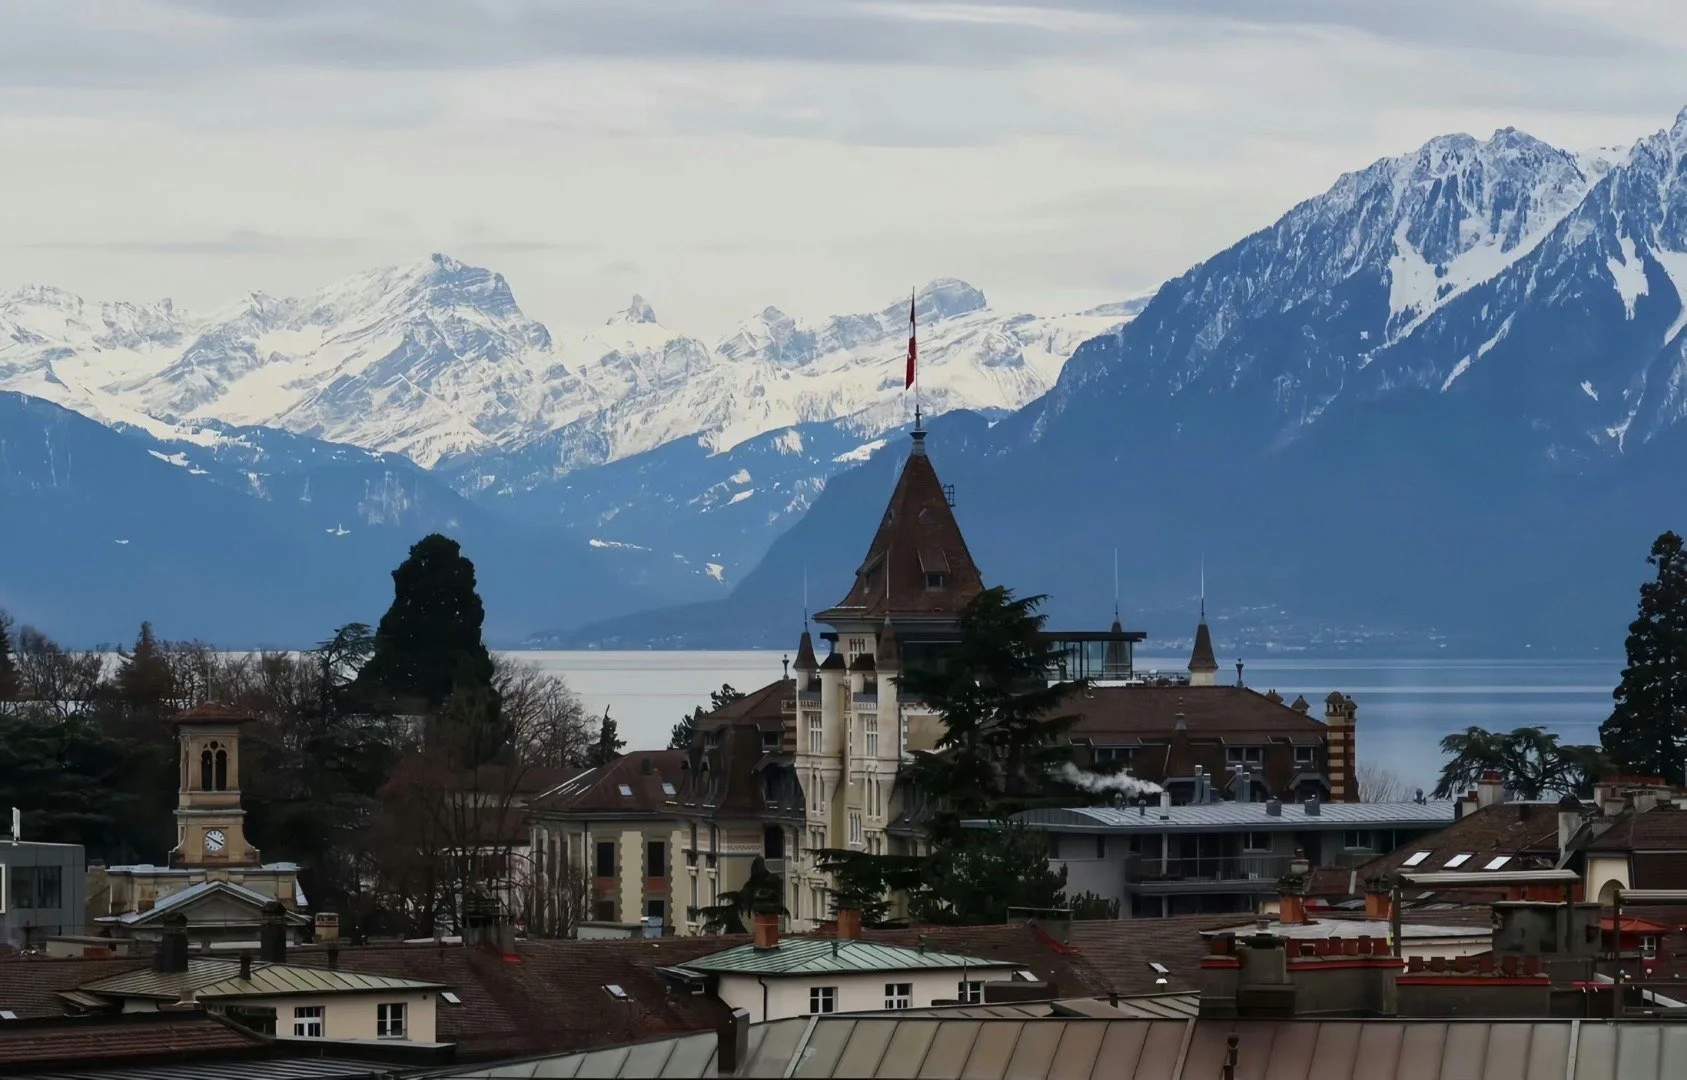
pixel 1234 815
pixel 194 892
pixel 1179 1006
pixel 802 956
pixel 867 1048
pixel 214 977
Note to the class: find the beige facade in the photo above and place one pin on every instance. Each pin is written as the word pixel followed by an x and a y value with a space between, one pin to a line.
pixel 348 1016
pixel 620 872
pixel 801 995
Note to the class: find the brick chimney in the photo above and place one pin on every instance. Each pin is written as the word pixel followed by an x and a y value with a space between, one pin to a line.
pixel 849 924
pixel 1341 718
pixel 1291 891
pixel 1378 903
pixel 766 930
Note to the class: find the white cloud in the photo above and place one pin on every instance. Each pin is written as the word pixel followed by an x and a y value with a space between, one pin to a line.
pixel 721 155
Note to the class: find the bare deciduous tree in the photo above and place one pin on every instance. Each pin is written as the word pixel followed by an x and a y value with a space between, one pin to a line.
pixel 1377 784
pixel 547 722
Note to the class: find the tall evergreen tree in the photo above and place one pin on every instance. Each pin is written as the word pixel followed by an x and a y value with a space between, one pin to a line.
pixel 10 685
pixel 684 731
pixel 428 644
pixel 1647 731
pixel 763 893
pixel 609 741
pixel 1530 759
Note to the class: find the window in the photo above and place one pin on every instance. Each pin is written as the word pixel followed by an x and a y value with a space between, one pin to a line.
pixel 1497 862
pixel 606 858
pixel 870 722
pixel 1256 841
pixel 855 833
pixel 667 788
pixel 656 859
pixel 307 1022
pixel 1648 948
pixel 1417 857
pixel 1244 755
pixel 936 580
pixel 857 646
pixel 36 887
pixel 1358 840
pixel 1458 860
pixel 822 999
pixel 1306 755
pixel 389 1020
pixel 616 991
pixel 656 909
pixel 971 993
pixel 899 995
pixel 770 742
pixel 1107 754
pixel 604 911
pixel 1100 847
pixel 626 790
pixel 816 734
pixel 213 767
pixel 258 1018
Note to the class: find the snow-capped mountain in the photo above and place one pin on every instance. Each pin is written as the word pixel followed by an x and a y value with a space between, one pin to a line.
pixel 436 361
pixel 1447 392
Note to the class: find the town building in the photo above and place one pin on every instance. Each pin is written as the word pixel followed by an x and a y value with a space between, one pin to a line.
pixel 773 977
pixel 817 764
pixel 211 847
pixel 1216 857
pixel 40 892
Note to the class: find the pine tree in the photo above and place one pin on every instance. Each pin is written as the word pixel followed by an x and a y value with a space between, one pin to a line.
pixel 428 644
pixel 10 685
pixel 1647 731
pixel 684 731
pixel 609 741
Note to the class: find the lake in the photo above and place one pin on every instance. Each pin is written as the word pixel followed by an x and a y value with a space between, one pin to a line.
pixel 1405 706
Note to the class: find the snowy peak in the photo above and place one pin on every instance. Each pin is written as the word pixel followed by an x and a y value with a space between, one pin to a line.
pixel 638 312
pixel 945 298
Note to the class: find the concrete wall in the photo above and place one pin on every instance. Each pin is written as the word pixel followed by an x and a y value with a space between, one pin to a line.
pixel 21 920
pixel 1603 872
pixel 788 995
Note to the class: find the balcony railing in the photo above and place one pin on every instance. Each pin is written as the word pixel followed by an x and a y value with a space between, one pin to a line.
pixel 870 697
pixel 1261 868
pixel 809 697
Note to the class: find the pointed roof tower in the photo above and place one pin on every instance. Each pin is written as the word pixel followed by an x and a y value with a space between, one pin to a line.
pixel 1203 665
pixel 918 565
pixel 889 655
pixel 805 653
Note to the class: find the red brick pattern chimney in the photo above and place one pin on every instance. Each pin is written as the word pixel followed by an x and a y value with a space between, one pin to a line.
pixel 849 924
pixel 1340 717
pixel 766 931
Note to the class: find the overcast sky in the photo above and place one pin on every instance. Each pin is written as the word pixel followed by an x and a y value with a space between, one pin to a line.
pixel 718 156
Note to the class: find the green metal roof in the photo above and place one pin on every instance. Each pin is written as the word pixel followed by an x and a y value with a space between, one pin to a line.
pixel 803 956
pixel 220 978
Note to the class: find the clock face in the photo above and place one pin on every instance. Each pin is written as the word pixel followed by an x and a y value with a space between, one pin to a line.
pixel 214 840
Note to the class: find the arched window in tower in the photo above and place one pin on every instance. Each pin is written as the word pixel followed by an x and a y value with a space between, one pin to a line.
pixel 205 769
pixel 222 769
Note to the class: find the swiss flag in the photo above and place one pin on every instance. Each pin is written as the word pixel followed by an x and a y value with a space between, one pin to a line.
pixel 911 346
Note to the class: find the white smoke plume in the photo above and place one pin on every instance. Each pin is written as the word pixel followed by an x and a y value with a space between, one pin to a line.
pixel 1124 783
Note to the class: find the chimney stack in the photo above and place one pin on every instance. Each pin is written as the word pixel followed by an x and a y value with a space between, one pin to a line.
pixel 1490 790
pixel 171 957
pixel 1569 821
pixel 246 967
pixel 272 934
pixel 732 1043
pixel 1341 720
pixel 327 927
pixel 1291 891
pixel 766 930
pixel 849 924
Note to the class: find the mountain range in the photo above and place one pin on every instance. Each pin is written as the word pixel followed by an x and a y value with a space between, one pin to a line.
pixel 1436 406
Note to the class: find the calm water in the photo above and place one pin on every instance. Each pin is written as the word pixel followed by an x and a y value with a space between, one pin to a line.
pixel 1405 706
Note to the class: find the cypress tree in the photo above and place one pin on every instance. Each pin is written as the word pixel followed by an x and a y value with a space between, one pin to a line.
pixel 428 644
pixel 609 741
pixel 10 685
pixel 1645 733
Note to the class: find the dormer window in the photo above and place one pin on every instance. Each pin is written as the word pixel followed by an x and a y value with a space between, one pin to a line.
pixel 770 742
pixel 937 581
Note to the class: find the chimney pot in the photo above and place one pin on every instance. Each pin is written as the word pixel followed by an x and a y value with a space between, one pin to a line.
pixel 849 924
pixel 1274 808
pixel 246 966
pixel 766 930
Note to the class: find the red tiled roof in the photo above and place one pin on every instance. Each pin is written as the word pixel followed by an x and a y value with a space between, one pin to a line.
pixel 764 708
pixel 1525 830
pixel 917 533
pixel 598 791
pixel 1661 829
pixel 1207 711
pixel 1120 950
pixel 128 1039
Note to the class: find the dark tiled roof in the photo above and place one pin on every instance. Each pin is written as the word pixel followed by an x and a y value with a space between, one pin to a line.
pixel 764 708
pixel 918 532
pixel 30 987
pixel 210 712
pixel 1120 950
pixel 1208 711
pixel 1023 943
pixel 131 1039
pixel 805 653
pixel 1660 829
pixel 552 997
pixel 734 773
pixel 599 791
pixel 1524 830
pixel 1201 658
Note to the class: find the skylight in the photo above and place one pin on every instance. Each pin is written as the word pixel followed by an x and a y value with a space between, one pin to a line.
pixel 7 1014
pixel 1458 860
pixel 626 790
pixel 1495 864
pixel 1417 857
pixel 450 998
pixel 616 992
pixel 667 788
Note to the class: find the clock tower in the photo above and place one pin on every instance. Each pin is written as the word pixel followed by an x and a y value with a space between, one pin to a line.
pixel 210 824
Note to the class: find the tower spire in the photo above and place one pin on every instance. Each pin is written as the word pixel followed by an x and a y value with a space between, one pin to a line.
pixel 1203 587
pixel 1115 584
